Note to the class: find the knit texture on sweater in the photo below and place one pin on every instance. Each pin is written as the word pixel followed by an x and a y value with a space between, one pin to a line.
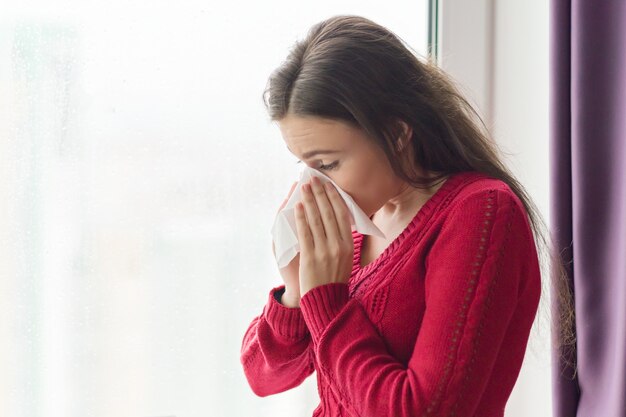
pixel 437 325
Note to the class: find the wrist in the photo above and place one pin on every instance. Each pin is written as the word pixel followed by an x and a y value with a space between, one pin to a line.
pixel 289 300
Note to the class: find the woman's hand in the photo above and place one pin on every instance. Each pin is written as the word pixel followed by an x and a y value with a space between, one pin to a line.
pixel 325 236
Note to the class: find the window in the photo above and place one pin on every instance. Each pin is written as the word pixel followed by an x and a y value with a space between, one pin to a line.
pixel 139 180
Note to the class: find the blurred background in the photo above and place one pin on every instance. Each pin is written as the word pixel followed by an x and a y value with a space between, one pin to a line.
pixel 140 177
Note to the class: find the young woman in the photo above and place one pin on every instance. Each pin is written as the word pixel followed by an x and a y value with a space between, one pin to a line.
pixel 434 319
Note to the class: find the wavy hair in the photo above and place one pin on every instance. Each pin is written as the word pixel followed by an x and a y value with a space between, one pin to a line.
pixel 350 69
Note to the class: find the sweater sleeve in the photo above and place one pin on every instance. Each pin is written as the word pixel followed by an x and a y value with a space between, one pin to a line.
pixel 473 272
pixel 276 349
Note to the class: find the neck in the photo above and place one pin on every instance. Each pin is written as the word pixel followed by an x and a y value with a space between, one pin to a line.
pixel 406 200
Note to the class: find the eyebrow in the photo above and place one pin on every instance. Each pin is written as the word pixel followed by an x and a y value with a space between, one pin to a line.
pixel 310 154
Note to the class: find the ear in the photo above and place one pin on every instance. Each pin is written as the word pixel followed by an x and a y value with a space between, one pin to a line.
pixel 405 136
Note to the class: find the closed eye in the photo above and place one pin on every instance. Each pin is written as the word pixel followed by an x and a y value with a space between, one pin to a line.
pixel 328 167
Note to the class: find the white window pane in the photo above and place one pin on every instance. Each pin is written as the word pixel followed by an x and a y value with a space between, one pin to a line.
pixel 139 179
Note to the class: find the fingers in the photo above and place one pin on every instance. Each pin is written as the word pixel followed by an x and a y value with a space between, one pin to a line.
pixel 320 214
pixel 342 213
pixel 312 215
pixel 305 239
pixel 327 211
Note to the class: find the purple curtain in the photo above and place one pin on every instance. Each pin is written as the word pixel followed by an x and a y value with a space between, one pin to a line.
pixel 588 199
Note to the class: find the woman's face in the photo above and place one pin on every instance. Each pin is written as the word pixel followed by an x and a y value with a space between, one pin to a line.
pixel 346 155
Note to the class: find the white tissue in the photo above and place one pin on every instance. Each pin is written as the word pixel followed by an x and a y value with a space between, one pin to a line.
pixel 284 232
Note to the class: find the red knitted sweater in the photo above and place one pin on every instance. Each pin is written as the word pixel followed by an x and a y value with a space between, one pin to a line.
pixel 437 325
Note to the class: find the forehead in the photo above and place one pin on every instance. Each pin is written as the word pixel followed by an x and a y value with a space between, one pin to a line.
pixel 304 134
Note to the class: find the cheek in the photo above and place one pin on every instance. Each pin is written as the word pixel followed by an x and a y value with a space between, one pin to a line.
pixel 364 186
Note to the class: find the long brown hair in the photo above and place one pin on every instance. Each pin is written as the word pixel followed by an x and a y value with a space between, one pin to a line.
pixel 350 69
